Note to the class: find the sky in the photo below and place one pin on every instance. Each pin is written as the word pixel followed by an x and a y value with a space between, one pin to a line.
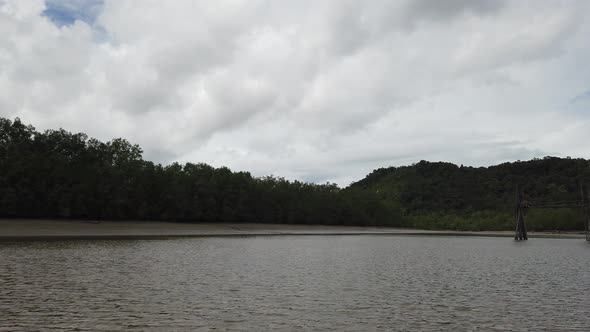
pixel 319 91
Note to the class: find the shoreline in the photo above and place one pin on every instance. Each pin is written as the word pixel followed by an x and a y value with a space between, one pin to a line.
pixel 42 230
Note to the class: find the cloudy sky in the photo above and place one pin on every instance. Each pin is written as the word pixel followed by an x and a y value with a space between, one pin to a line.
pixel 310 90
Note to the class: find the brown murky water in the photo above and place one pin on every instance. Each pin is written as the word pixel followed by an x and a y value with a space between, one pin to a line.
pixel 332 283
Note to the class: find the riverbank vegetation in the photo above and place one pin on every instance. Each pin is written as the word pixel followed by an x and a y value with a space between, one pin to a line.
pixel 440 195
pixel 58 174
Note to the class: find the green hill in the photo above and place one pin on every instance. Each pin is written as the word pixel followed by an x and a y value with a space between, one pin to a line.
pixel 444 195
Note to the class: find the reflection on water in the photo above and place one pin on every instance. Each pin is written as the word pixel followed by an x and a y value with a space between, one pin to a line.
pixel 347 283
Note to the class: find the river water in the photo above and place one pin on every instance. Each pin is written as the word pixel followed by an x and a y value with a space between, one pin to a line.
pixel 291 283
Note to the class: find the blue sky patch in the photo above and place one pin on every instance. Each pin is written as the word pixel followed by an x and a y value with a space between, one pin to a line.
pixel 582 97
pixel 66 12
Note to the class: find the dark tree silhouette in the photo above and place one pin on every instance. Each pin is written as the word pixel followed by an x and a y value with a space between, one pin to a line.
pixel 57 174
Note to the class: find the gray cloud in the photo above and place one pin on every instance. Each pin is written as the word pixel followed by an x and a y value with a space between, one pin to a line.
pixel 308 90
pixel 444 10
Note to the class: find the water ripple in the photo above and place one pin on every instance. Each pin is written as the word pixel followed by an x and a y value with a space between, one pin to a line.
pixel 347 283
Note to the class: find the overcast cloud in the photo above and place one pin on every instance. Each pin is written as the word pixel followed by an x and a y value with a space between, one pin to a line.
pixel 310 90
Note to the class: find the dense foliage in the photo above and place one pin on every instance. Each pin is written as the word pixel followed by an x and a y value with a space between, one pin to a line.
pixel 58 174
pixel 444 195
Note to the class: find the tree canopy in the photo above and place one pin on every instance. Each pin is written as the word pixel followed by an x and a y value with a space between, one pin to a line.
pixel 58 174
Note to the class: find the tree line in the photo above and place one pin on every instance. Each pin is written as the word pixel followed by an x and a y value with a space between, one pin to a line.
pixel 59 174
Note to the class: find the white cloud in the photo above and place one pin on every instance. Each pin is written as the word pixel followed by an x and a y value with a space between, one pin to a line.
pixel 304 89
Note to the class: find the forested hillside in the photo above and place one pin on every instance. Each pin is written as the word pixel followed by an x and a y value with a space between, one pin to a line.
pixel 58 174
pixel 444 195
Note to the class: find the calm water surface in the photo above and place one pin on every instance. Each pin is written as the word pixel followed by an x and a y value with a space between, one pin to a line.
pixel 331 283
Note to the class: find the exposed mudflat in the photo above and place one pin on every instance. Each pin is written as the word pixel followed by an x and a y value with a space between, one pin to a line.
pixel 30 229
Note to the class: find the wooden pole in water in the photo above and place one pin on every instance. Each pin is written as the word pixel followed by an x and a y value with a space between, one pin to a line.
pixel 516 212
pixel 522 224
pixel 521 233
pixel 522 206
pixel 585 209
